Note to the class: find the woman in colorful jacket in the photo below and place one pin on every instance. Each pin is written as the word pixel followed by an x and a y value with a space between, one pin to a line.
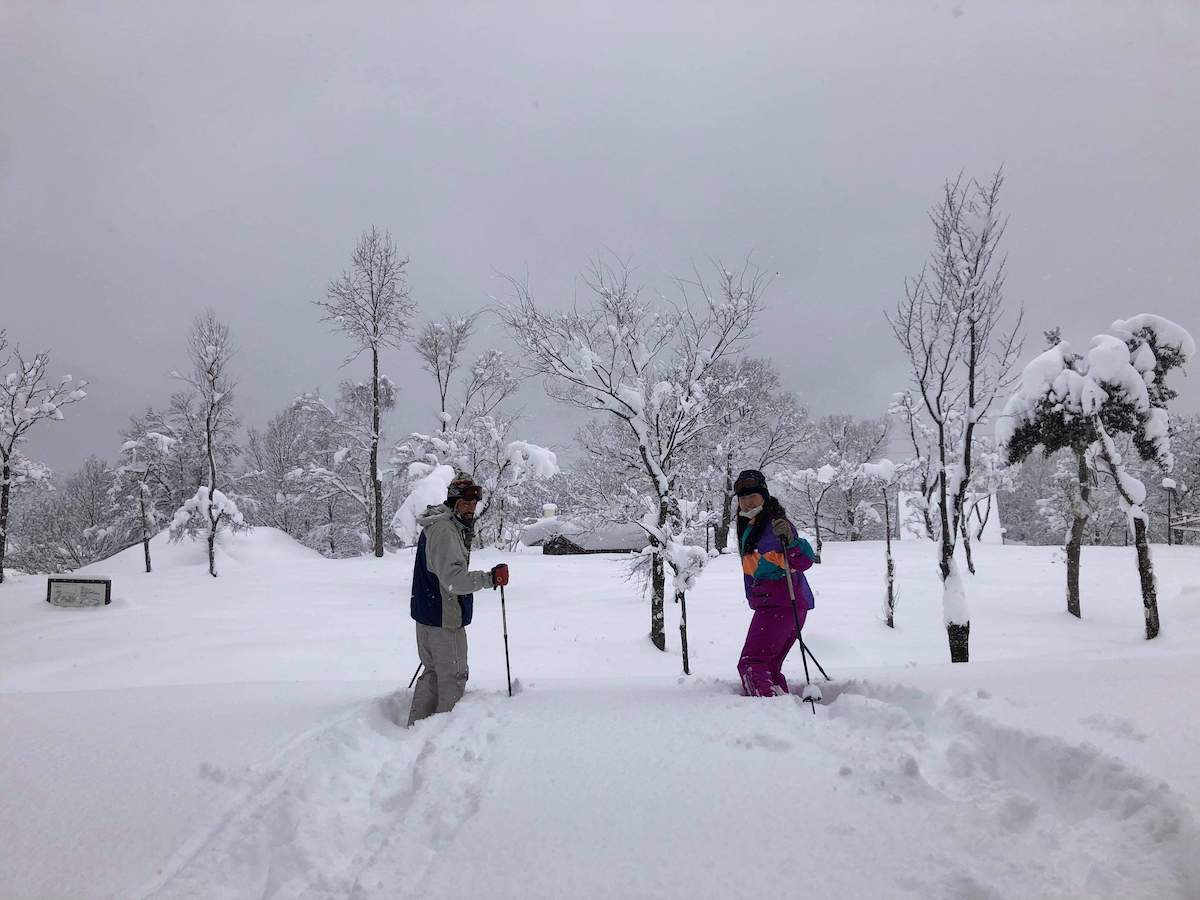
pixel 763 531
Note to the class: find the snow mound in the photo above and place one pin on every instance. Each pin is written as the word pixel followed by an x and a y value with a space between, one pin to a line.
pixel 253 547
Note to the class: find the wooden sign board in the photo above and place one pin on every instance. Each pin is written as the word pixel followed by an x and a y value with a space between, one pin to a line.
pixel 76 592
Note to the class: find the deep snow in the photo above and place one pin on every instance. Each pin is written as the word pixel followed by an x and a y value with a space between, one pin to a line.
pixel 236 737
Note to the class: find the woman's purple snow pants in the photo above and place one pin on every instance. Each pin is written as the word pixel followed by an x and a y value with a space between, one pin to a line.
pixel 771 635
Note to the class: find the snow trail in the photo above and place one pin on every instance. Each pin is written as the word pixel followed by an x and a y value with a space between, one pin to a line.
pixel 331 805
pixel 586 789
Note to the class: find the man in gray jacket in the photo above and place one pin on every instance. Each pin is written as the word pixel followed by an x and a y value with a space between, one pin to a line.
pixel 442 597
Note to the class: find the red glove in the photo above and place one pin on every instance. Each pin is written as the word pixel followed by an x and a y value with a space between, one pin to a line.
pixel 499 575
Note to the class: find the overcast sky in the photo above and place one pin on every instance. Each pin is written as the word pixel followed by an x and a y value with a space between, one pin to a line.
pixel 157 158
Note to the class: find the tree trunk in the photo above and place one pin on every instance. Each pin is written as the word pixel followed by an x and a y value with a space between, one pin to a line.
pixel 966 536
pixel 145 533
pixel 681 599
pixel 891 565
pixel 721 529
pixel 1074 548
pixel 925 511
pixel 658 586
pixel 212 552
pixel 1146 574
pixel 1145 567
pixel 1080 513
pixel 376 482
pixel 958 633
pixel 5 489
pixel 817 536
pixel 213 517
pixel 960 638
pixel 658 583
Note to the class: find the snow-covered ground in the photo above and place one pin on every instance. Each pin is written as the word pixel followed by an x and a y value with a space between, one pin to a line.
pixel 237 737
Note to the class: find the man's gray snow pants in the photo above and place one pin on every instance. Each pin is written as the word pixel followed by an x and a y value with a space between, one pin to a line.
pixel 443 652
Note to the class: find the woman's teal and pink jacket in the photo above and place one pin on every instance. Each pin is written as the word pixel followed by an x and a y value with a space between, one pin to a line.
pixel 765 577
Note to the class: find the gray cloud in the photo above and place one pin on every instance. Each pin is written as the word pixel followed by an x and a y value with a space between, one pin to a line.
pixel 158 158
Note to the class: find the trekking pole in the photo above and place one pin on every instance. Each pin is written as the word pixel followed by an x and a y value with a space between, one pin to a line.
pixel 809 692
pixel 415 674
pixel 804 647
pixel 504 620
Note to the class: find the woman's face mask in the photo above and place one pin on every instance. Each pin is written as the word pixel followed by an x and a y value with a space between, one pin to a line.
pixel 751 505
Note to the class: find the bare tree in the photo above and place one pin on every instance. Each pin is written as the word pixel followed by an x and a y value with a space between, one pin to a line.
pixel 27 397
pixel 650 367
pixel 950 325
pixel 847 443
pixel 440 346
pixel 921 475
pixel 885 475
pixel 140 486
pixel 758 421
pixel 73 526
pixel 340 464
pixel 370 304
pixel 210 349
pixel 493 379
pixel 812 488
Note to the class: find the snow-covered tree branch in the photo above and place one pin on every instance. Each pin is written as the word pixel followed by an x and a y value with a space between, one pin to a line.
pixel 28 397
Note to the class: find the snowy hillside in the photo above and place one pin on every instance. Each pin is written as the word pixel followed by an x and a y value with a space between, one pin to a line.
pixel 236 737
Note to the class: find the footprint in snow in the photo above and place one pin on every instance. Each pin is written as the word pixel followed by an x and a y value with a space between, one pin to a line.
pixel 760 740
pixel 1116 726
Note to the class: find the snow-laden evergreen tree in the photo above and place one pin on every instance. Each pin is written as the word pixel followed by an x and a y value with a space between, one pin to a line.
pixel 210 509
pixel 650 366
pixel 950 325
pixel 28 397
pixel 1128 393
pixel 1047 412
pixel 1118 388
pixel 370 304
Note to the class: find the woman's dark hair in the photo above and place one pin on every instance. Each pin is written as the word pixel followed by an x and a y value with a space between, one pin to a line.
pixel 749 532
